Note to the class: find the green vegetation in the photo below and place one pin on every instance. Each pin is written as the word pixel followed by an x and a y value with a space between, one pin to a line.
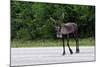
pixel 50 43
pixel 31 25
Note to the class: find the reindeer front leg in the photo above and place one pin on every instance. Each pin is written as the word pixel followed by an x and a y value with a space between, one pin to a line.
pixel 71 52
pixel 63 45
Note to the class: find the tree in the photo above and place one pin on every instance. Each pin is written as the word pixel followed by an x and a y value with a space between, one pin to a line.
pixel 31 20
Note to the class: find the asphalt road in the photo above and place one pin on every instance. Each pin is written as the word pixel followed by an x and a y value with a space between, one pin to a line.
pixel 49 55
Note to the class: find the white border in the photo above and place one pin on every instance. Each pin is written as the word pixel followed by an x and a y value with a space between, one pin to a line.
pixel 5 33
pixel 80 2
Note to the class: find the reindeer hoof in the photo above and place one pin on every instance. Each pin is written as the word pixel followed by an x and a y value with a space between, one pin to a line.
pixel 71 52
pixel 63 53
pixel 77 51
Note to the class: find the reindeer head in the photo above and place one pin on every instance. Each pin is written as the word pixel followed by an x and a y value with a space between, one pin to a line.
pixel 58 31
pixel 57 26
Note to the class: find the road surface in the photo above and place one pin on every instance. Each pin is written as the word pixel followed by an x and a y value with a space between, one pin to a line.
pixel 49 55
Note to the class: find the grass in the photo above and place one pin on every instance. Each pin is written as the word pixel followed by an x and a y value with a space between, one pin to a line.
pixel 51 43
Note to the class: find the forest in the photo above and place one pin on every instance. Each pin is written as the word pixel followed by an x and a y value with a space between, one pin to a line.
pixel 31 20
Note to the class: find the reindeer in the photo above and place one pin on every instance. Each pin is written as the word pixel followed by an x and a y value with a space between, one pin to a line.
pixel 63 30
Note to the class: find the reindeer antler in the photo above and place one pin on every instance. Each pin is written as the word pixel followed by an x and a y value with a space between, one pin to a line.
pixel 53 20
pixel 63 15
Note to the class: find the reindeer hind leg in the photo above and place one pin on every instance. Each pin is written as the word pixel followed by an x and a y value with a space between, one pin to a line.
pixel 77 42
